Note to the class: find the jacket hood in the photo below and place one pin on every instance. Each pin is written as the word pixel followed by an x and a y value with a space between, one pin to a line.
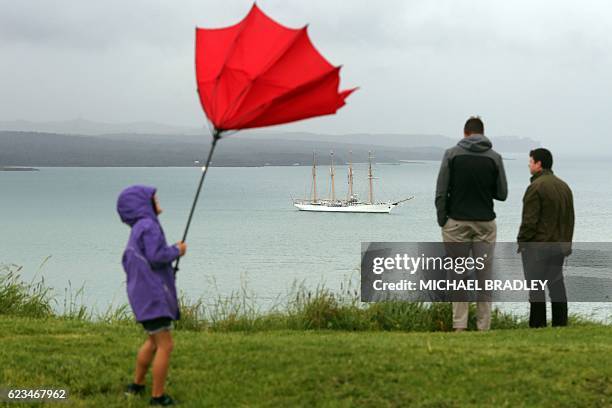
pixel 135 203
pixel 475 143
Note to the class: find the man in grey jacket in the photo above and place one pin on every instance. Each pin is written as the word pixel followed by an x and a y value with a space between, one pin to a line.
pixel 471 176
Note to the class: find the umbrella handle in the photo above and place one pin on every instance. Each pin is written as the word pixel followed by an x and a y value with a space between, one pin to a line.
pixel 216 136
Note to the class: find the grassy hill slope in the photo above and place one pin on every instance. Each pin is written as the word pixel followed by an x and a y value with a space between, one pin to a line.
pixel 547 367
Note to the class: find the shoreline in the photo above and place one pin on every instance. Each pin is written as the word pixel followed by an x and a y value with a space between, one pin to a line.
pixel 18 168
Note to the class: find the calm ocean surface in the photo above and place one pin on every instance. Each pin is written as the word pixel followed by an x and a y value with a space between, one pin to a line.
pixel 245 231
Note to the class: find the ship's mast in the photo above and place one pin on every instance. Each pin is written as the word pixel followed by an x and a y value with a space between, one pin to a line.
pixel 370 177
pixel 350 175
pixel 331 173
pixel 314 177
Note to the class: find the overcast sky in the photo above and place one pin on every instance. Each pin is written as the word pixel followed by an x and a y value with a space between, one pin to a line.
pixel 541 69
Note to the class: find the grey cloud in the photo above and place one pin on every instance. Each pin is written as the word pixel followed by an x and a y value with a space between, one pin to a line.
pixel 538 69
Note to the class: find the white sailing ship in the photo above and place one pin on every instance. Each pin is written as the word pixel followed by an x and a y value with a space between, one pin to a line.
pixel 352 204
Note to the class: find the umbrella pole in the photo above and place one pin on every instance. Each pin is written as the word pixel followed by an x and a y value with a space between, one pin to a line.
pixel 216 136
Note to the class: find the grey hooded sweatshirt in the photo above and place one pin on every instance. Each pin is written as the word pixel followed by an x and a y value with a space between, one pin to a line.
pixel 471 176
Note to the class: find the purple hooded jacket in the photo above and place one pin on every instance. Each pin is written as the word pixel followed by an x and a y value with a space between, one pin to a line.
pixel 147 259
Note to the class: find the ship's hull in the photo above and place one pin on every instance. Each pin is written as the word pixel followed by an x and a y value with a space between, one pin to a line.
pixel 380 208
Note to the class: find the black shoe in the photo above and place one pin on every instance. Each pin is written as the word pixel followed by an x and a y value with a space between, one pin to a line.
pixel 164 400
pixel 134 389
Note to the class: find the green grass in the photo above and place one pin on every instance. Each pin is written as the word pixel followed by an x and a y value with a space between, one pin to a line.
pixel 301 309
pixel 18 298
pixel 568 367
pixel 315 348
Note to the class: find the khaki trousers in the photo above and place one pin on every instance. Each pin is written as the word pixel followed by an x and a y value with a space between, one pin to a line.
pixel 482 236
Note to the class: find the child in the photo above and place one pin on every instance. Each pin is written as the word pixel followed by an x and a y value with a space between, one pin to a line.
pixel 147 261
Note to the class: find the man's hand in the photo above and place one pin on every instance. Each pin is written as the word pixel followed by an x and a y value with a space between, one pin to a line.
pixel 182 247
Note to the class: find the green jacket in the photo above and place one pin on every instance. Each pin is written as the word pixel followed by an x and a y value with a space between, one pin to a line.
pixel 548 210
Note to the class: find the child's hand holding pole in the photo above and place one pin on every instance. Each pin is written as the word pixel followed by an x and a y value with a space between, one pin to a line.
pixel 182 247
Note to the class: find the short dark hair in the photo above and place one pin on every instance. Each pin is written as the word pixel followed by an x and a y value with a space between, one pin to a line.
pixel 474 125
pixel 543 156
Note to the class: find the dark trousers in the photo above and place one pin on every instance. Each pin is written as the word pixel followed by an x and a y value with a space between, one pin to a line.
pixel 544 264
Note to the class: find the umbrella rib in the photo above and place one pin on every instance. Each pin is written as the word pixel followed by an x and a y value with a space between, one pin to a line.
pixel 242 96
pixel 290 92
pixel 227 57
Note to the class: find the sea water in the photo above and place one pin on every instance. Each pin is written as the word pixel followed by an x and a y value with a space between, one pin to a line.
pixel 245 232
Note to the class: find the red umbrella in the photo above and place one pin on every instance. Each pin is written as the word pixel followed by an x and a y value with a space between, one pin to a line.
pixel 259 73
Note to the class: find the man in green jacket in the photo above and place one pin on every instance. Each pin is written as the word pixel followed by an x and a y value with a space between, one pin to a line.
pixel 545 237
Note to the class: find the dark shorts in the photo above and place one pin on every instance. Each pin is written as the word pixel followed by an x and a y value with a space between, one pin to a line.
pixel 157 325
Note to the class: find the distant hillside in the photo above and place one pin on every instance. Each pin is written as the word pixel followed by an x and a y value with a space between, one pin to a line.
pixel 503 144
pixel 50 149
pixel 91 128
pixel 159 131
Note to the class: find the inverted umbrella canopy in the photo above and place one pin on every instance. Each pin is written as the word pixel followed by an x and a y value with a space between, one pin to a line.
pixel 259 73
